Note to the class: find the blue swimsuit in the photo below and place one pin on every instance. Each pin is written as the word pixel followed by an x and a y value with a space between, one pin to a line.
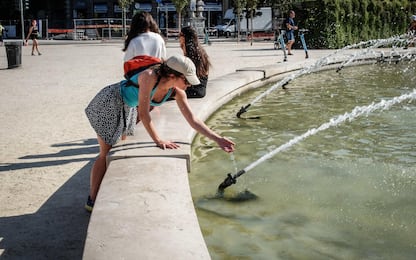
pixel 113 111
pixel 130 93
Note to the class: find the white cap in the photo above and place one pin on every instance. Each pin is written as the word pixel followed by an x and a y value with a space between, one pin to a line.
pixel 185 66
pixel 413 17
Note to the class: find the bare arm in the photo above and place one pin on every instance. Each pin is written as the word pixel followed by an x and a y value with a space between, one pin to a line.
pixel 29 33
pixel 146 82
pixel 182 102
pixel 290 27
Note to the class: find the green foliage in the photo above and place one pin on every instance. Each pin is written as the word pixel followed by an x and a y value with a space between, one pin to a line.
pixel 180 6
pixel 251 4
pixel 337 23
pixel 239 5
pixel 283 5
pixel 125 3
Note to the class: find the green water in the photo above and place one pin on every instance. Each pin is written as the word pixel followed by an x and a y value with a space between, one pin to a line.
pixel 348 192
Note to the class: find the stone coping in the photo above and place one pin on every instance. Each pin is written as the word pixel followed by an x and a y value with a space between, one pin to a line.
pixel 144 209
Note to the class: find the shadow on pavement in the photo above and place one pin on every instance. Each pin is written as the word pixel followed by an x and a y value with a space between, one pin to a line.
pixel 58 229
pixel 91 147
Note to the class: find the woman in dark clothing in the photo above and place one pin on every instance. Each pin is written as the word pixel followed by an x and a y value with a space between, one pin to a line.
pixel 33 35
pixel 188 39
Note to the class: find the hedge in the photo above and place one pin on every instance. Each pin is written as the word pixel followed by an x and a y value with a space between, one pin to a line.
pixel 337 23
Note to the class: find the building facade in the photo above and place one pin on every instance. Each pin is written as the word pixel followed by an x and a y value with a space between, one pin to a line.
pixel 60 14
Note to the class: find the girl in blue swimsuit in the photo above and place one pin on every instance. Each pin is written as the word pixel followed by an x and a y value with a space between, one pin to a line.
pixel 113 111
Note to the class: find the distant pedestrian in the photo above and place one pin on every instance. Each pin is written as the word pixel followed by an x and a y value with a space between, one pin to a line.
pixel 191 47
pixel 33 35
pixel 144 38
pixel 162 21
pixel 2 32
pixel 411 31
pixel 290 31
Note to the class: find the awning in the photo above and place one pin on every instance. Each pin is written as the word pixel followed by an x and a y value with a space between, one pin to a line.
pixel 100 8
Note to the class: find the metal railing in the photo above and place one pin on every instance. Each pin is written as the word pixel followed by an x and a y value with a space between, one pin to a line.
pixel 104 28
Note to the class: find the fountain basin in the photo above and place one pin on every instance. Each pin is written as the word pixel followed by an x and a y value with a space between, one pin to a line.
pixel 130 234
pixel 345 192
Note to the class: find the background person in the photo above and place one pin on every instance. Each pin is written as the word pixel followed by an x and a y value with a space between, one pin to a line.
pixel 290 29
pixel 113 110
pixel 162 24
pixel 144 38
pixel 188 40
pixel 2 33
pixel 33 35
pixel 411 31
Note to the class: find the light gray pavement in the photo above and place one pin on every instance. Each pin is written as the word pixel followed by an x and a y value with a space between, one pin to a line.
pixel 47 146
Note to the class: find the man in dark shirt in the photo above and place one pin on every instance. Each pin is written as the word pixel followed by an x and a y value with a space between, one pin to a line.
pixel 290 28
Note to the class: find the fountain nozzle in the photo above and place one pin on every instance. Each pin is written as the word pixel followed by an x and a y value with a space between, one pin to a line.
pixel 228 181
pixel 285 84
pixel 243 110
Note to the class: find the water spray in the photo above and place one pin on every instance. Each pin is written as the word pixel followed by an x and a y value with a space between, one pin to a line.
pixel 356 112
pixel 320 63
pixel 373 44
pixel 284 82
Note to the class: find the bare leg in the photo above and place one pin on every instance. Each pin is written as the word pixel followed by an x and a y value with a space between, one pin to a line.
pixel 99 168
pixel 289 46
pixel 35 45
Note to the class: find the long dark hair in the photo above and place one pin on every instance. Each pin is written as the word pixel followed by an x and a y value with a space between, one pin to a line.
pixel 195 51
pixel 141 22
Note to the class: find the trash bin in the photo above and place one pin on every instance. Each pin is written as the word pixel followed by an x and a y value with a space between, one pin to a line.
pixel 14 53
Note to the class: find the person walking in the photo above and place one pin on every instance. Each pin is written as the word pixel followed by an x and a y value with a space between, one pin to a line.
pixel 113 111
pixel 290 29
pixel 33 35
pixel 2 30
pixel 191 47
pixel 144 38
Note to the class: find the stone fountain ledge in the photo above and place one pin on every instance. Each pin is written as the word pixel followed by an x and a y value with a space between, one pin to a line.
pixel 144 209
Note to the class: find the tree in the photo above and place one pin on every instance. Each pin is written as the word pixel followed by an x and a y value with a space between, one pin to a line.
pixel 179 5
pixel 123 5
pixel 282 5
pixel 238 8
pixel 251 7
